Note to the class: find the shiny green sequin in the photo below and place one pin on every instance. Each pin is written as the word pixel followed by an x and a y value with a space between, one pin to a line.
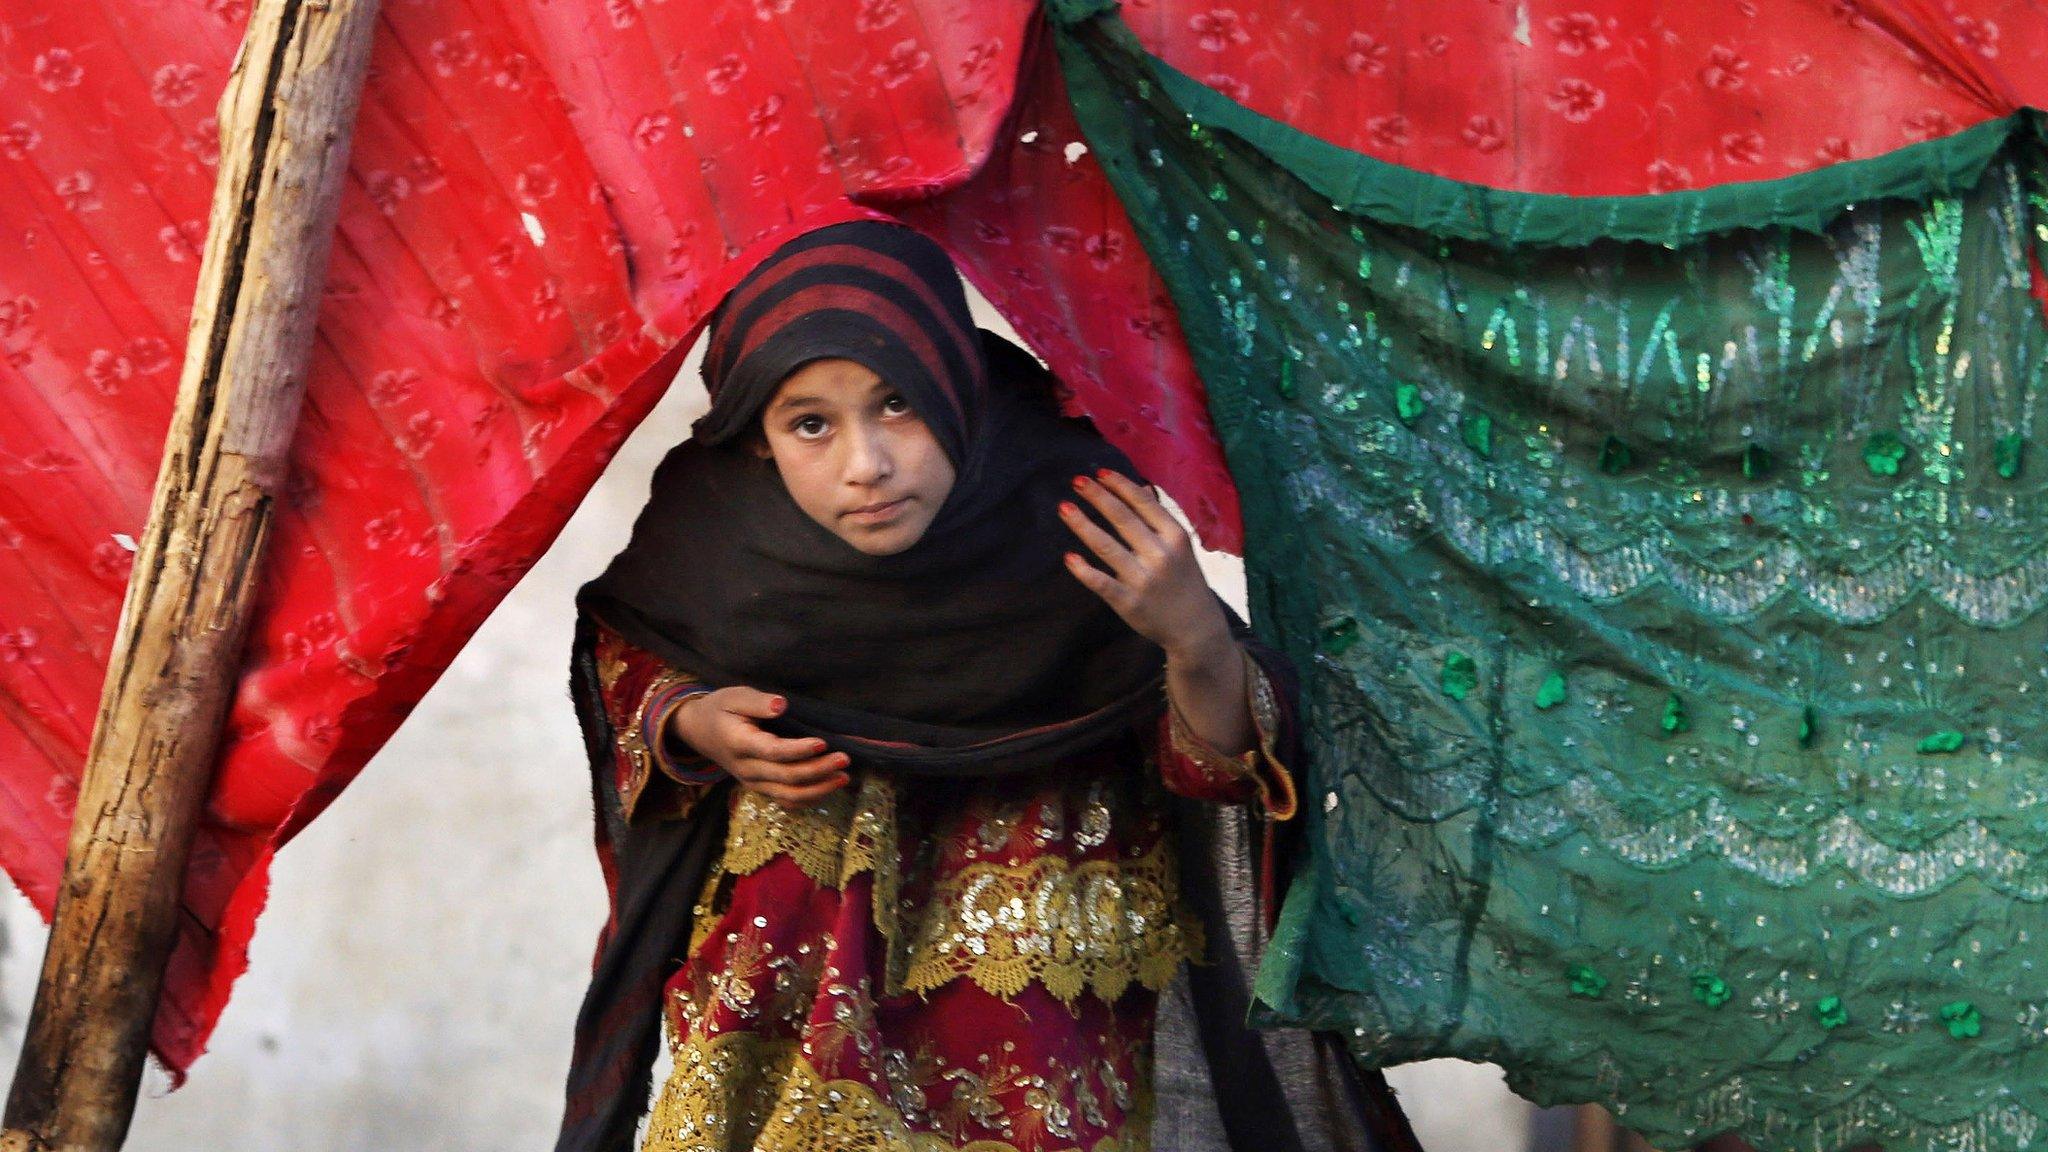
pixel 1945 741
pixel 1408 404
pixel 1808 726
pixel 1460 674
pixel 1674 718
pixel 1551 692
pixel 1477 430
pixel 1710 989
pixel 1884 452
pixel 1586 982
pixel 1831 1012
pixel 1963 1020
pixel 2009 455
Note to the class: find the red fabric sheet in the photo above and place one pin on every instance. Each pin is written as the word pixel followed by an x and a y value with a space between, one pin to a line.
pixel 546 197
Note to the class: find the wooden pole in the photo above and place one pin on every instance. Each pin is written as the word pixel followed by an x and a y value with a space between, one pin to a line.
pixel 285 124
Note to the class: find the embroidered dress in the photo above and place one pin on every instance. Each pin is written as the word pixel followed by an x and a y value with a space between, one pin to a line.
pixel 927 966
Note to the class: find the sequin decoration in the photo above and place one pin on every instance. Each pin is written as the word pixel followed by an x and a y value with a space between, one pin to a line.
pixel 1963 1020
pixel 1459 676
pixel 1710 989
pixel 1587 983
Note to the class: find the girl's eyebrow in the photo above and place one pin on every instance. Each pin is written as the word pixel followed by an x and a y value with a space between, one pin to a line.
pixel 800 400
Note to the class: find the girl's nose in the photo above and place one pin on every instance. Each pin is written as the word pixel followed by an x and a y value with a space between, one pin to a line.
pixel 868 460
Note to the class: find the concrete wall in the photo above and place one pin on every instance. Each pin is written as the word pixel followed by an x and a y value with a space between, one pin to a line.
pixel 413 983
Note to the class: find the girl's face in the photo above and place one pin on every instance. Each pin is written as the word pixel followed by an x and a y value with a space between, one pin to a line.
pixel 855 456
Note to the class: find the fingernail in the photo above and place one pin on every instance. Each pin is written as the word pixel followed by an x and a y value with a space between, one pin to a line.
pixel 1080 483
pixel 1073 559
pixel 779 703
pixel 1067 508
pixel 1104 473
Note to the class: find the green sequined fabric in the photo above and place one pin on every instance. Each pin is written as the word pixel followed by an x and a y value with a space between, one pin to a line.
pixel 1668 573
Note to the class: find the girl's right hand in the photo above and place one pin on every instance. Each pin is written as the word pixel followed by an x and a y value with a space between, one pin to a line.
pixel 724 727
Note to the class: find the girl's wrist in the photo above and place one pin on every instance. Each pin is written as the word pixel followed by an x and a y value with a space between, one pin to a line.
pixel 678 724
pixel 1209 650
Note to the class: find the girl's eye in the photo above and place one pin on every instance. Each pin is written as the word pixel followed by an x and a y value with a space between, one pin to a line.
pixel 809 427
pixel 896 405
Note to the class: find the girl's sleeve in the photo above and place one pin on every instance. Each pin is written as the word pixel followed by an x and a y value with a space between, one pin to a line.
pixel 1190 767
pixel 658 776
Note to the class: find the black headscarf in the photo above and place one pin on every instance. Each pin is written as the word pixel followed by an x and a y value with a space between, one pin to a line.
pixel 974 651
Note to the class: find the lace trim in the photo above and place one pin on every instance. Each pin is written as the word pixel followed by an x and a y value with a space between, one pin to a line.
pixel 852 831
pixel 1709 829
pixel 1871 1116
pixel 741 1091
pixel 1741 591
pixel 1100 925
pixel 832 843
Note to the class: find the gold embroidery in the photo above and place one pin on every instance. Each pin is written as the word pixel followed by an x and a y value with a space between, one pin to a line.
pixel 852 831
pixel 632 736
pixel 741 1091
pixel 1101 924
pixel 832 842
pixel 611 662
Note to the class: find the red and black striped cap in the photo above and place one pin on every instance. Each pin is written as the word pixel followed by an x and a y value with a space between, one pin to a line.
pixel 878 294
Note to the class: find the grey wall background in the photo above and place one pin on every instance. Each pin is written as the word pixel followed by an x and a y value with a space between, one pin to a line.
pixel 413 982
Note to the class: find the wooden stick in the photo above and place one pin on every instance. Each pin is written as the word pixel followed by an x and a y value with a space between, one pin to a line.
pixel 285 123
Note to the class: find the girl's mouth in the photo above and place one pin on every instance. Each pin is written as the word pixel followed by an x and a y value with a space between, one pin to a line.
pixel 879 512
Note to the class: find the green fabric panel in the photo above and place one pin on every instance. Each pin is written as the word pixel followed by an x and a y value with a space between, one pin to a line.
pixel 1362 185
pixel 1670 612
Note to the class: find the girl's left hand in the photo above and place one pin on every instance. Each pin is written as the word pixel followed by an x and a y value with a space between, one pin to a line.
pixel 1154 581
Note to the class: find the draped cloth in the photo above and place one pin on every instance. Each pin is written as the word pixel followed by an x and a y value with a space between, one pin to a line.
pixel 1666 572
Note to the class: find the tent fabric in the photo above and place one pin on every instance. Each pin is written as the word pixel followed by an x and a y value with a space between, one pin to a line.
pixel 531 232
pixel 545 199
pixel 1668 571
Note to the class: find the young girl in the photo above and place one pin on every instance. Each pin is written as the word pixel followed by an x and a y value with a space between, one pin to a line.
pixel 882 697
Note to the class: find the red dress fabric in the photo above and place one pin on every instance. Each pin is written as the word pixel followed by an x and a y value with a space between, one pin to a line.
pixel 545 199
pixel 955 965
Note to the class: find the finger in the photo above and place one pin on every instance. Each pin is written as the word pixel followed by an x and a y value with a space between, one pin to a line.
pixel 751 741
pixel 1143 500
pixel 752 703
pixel 1097 581
pixel 801 797
pixel 1111 550
pixel 1137 535
pixel 800 773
